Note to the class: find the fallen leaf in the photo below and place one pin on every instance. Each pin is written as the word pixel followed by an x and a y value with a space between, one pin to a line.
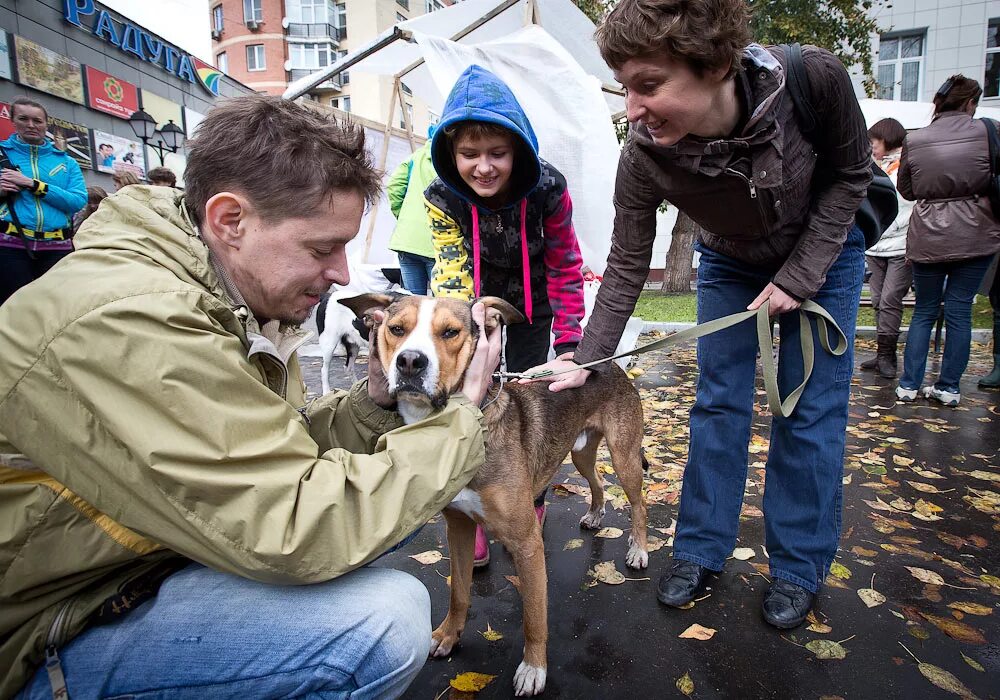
pixel 975 664
pixel 955 629
pixel 985 476
pixel 927 474
pixel 609 533
pixel 819 628
pixel 924 488
pixel 743 553
pixel 945 681
pixel 925 575
pixel 918 632
pixel 432 556
pixel 874 469
pixel 605 572
pixel 685 684
pixel 991 580
pixel 954 540
pixel 491 635
pixel 862 552
pixel 826 649
pixel 696 631
pixel 573 544
pixel 901 461
pixel 871 597
pixel 972 608
pixel 655 543
pixel 471 682
pixel 840 571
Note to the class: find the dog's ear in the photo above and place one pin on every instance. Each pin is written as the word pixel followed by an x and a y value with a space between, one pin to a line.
pixel 499 311
pixel 363 305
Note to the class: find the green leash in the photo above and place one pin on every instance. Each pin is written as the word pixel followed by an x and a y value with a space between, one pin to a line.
pixel 765 341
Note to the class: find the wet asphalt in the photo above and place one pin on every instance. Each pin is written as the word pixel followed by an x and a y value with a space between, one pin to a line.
pixel 617 641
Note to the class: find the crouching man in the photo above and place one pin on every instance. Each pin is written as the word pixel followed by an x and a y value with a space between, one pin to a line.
pixel 165 492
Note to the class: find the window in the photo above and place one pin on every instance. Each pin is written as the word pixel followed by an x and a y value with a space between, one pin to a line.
pixel 405 4
pixel 345 76
pixel 343 103
pixel 307 11
pixel 255 57
pixel 900 67
pixel 340 20
pixel 400 17
pixel 347 103
pixel 222 62
pixel 252 11
pixel 406 90
pixel 217 18
pixel 402 119
pixel 991 84
pixel 308 56
pixel 432 5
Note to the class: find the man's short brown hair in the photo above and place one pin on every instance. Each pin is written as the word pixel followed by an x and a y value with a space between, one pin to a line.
pixel 889 131
pixel 23 101
pixel 285 158
pixel 162 174
pixel 476 130
pixel 704 34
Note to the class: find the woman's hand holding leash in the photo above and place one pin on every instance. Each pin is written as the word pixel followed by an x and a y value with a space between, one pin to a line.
pixel 780 301
pixel 485 360
pixel 569 380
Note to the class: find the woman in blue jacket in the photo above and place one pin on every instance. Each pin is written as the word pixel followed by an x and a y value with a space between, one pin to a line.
pixel 45 188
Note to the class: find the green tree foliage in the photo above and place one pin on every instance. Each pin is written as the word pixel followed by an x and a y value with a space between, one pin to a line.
pixel 843 27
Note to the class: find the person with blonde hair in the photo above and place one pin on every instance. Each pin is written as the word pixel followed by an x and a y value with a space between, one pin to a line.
pixel 124 178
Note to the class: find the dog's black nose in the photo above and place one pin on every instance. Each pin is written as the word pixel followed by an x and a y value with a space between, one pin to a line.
pixel 410 363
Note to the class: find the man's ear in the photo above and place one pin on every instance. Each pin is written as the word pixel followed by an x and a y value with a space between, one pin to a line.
pixel 364 305
pixel 499 311
pixel 224 212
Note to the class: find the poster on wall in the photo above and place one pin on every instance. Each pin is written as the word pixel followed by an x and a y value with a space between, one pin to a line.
pixel 161 109
pixel 111 95
pixel 6 123
pixel 4 57
pixel 48 71
pixel 117 154
pixel 72 138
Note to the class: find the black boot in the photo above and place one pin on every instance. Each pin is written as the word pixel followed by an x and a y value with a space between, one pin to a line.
pixel 678 586
pixel 872 363
pixel 786 604
pixel 886 356
pixel 992 380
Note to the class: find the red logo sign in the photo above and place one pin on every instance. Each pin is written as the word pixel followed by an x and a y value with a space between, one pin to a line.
pixel 6 124
pixel 107 93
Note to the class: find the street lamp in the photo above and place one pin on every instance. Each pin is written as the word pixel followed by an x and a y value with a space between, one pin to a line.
pixel 170 136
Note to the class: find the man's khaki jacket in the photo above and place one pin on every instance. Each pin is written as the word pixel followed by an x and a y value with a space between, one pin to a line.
pixel 146 420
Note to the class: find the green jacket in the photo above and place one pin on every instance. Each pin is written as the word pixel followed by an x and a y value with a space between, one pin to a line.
pixel 146 420
pixel 406 199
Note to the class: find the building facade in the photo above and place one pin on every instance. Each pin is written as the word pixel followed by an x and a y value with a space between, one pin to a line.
pixel 92 68
pixel 266 44
pixel 923 42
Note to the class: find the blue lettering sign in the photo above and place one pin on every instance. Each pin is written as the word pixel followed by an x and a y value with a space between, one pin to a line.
pixel 72 9
pixel 186 70
pixel 105 28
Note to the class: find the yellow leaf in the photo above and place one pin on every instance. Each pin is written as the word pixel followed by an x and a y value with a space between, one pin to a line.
pixel 605 572
pixel 924 488
pixel 826 649
pixel 925 575
pixel 685 684
pixel 901 460
pixel 432 556
pixel 945 681
pixel 972 608
pixel 609 533
pixel 491 635
pixel 696 631
pixel 871 597
pixel 573 544
pixel 975 664
pixel 471 682
pixel 840 571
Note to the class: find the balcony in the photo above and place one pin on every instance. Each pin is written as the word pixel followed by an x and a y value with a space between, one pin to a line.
pixel 332 84
pixel 315 31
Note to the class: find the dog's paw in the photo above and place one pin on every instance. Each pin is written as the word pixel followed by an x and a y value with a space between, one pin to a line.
pixel 528 680
pixel 637 557
pixel 592 520
pixel 442 643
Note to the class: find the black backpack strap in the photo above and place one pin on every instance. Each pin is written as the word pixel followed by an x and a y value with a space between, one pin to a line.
pixel 797 84
pixel 993 139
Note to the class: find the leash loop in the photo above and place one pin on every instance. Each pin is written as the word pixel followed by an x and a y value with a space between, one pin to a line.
pixel 765 343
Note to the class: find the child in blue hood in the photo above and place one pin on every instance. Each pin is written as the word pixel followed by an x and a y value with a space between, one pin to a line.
pixel 502 224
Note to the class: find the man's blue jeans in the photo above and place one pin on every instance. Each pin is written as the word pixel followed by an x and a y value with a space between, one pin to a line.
pixel 214 635
pixel 956 283
pixel 802 498
pixel 416 271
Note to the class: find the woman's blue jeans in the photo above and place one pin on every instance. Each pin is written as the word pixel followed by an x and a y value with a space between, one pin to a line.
pixel 802 498
pixel 212 635
pixel 954 283
pixel 416 271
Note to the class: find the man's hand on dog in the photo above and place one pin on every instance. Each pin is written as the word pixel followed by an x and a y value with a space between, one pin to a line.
pixel 569 380
pixel 378 385
pixel 485 360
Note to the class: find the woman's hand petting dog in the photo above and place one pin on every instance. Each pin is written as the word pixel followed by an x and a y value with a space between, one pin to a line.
pixel 485 360
pixel 569 380
pixel 378 385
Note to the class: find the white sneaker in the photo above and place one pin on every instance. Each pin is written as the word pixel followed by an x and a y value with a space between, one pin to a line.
pixel 948 398
pixel 905 395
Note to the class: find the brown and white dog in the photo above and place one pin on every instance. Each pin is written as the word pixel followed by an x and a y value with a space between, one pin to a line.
pixel 425 346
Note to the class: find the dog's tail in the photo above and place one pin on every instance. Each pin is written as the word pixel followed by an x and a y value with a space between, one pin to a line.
pixel 324 299
pixel 645 462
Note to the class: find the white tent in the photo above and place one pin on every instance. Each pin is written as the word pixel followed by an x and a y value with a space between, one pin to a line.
pixel 544 50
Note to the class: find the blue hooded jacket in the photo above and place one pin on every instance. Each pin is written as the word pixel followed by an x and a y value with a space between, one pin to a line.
pixel 479 95
pixel 61 194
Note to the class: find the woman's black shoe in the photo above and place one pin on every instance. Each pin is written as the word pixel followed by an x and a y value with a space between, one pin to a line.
pixel 786 604
pixel 678 586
